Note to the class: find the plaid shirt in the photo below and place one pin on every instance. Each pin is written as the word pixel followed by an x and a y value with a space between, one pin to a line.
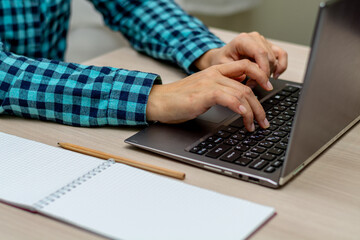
pixel 33 31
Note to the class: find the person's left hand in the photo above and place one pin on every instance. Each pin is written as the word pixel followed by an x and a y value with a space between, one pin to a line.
pixel 253 46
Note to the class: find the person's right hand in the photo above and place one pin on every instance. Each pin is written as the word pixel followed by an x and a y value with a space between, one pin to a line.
pixel 192 96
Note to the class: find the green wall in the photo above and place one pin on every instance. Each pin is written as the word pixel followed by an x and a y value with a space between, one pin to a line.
pixel 288 20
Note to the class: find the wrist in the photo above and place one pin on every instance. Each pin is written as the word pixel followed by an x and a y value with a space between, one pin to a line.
pixel 205 60
pixel 153 104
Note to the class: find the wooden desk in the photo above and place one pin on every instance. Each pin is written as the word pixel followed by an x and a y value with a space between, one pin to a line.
pixel 323 202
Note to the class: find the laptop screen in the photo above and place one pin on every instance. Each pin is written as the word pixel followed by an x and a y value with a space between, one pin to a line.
pixel 330 99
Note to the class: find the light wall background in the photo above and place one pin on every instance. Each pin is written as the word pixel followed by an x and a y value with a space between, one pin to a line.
pixel 288 20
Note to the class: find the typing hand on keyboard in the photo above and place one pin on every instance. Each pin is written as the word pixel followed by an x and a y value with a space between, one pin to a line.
pixel 188 98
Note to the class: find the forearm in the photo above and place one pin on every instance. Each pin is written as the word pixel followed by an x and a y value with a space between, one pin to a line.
pixel 73 94
pixel 161 29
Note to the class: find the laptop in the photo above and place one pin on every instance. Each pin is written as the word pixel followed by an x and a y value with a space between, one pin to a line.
pixel 305 118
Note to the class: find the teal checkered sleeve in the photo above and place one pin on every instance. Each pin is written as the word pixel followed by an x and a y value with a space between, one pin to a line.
pixel 71 93
pixel 160 28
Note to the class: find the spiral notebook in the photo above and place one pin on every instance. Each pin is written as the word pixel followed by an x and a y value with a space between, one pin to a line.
pixel 118 201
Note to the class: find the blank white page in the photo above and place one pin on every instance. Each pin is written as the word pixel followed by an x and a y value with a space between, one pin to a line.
pixel 29 170
pixel 128 203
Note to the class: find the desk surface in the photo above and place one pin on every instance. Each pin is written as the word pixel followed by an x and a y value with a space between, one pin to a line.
pixel 323 202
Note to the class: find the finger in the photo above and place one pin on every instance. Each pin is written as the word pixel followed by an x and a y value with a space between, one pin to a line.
pixel 254 109
pixel 252 70
pixel 282 58
pixel 253 49
pixel 241 106
pixel 224 98
pixel 267 46
pixel 257 110
pixel 248 99
pixel 241 78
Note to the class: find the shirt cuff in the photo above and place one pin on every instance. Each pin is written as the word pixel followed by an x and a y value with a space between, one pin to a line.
pixel 192 49
pixel 129 96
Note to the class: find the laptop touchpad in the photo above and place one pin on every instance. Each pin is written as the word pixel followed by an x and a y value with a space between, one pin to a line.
pixel 216 114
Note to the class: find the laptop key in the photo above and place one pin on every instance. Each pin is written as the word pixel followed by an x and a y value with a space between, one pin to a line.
pixel 271 101
pixel 284 117
pixel 203 144
pixel 291 99
pixel 230 129
pixel 285 128
pixel 218 140
pixel 276 151
pixel 280 108
pixel 284 93
pixel 278 97
pixel 195 149
pixel 218 151
pixel 281 145
pixel 257 137
pixel 274 139
pixel 289 112
pixel 278 122
pixel 223 134
pixel 243 161
pixel 249 142
pixel 291 89
pixel 266 106
pixel 272 112
pixel 268 157
pixel 242 148
pixel 202 151
pixel 231 156
pixel 231 142
pixel 272 127
pixel 244 132
pixel 276 164
pixel 266 144
pixel 258 164
pixel 270 169
pixel 258 149
pixel 286 104
pixel 210 145
pixel 251 155
pixel 269 117
pixel 280 134
pixel 238 137
pixel 264 132
pixel 210 139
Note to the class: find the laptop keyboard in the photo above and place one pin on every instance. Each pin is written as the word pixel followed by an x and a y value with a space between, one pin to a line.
pixel 263 149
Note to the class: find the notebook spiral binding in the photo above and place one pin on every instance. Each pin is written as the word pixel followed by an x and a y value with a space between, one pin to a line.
pixel 72 185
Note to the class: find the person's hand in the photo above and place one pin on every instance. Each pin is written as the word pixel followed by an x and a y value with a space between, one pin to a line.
pixel 253 46
pixel 188 98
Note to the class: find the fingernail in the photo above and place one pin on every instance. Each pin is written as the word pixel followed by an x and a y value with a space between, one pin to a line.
pixel 242 109
pixel 266 123
pixel 270 86
pixel 276 76
pixel 252 127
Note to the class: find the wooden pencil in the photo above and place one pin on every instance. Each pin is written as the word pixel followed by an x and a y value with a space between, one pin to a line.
pixel 133 163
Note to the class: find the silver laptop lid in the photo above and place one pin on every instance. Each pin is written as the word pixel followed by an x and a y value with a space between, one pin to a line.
pixel 330 99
